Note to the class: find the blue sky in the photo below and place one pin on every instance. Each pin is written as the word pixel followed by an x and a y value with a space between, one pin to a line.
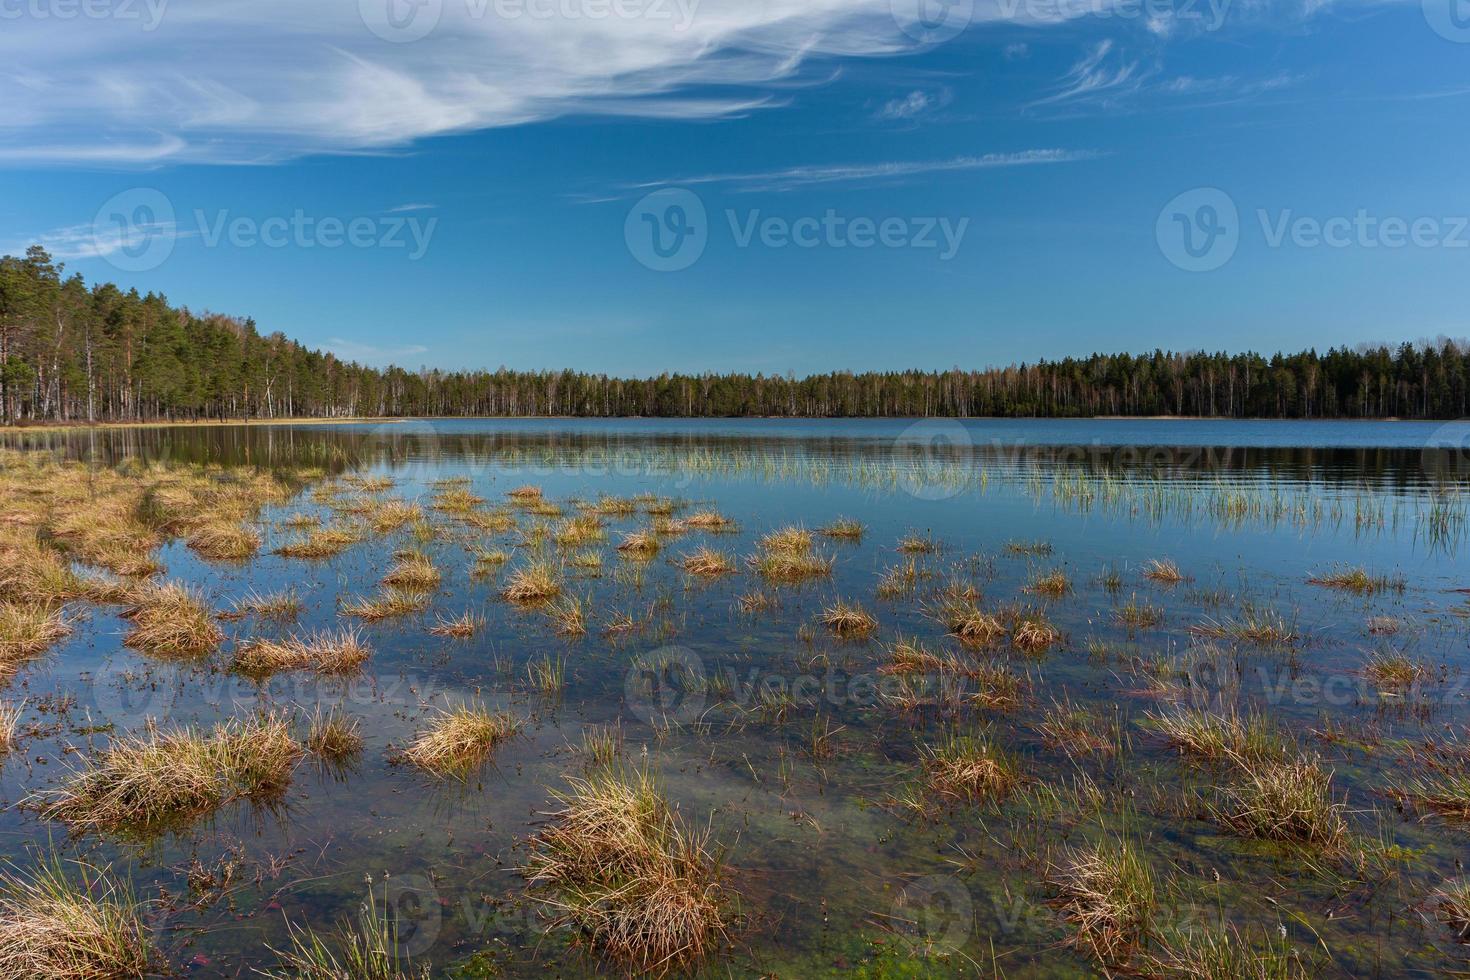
pixel 1004 180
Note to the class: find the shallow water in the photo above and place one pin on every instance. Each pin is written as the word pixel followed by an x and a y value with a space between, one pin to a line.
pixel 833 871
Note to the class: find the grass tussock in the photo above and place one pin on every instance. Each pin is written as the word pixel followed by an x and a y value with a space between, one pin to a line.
pixel 334 736
pixel 364 947
pixel 224 540
pixel 707 562
pixel 787 540
pixel 171 620
pixel 10 715
pixel 579 531
pixel 1223 953
pixel 844 529
pixel 391 515
pixel 536 582
pixel 1443 792
pixel 281 606
pixel 389 603
pixel 848 621
pixel 1108 894
pixel 1079 731
pixel 325 542
pixel 1216 737
pixel 790 566
pixel 968 624
pixel 1452 907
pixel 462 627
pixel 569 614
pixel 61 925
pixel 156 778
pixel 335 654
pixel 708 520
pixel 413 571
pixel 1261 627
pixel 458 740
pixel 1285 800
pixel 1136 614
pixel 1031 631
pixel 27 631
pixel 640 545
pixel 1163 571
pixel 917 544
pixel 616 864
pixel 1054 584
pixel 1357 580
pixel 525 494
pixel 968 769
pixel 1394 671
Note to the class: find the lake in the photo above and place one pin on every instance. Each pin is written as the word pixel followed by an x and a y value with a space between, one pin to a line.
pixel 805 746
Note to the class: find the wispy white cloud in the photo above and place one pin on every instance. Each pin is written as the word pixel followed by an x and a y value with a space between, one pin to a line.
pixel 352 350
pixel 907 107
pixel 1106 78
pixel 404 208
pixel 792 178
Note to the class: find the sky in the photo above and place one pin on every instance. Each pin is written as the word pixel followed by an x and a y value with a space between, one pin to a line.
pixel 638 186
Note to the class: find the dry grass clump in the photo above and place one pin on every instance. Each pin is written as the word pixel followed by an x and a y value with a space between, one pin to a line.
pixel 389 603
pixel 462 627
pixel 10 715
pixel 917 544
pixel 532 583
pixel 1445 792
pixel 968 768
pixel 790 566
pixel 1224 954
pixel 1137 615
pixel 456 500
pixel 1286 800
pixel 1054 584
pixel 609 506
pixel 616 864
pixel 1162 570
pixel 844 528
pixel 1034 548
pixel 171 620
pixel 1452 907
pixel 968 624
pixel 1263 627
pixel 578 531
pixel 34 574
pixel 569 613
pixel 707 562
pixel 1079 731
pixel 911 657
pixel 1108 894
pixel 526 493
pixel 334 736
pixel 27 631
pixel 900 580
pixel 413 571
pixel 458 740
pixel 487 560
pixel 331 653
pixel 56 926
pixel 1031 631
pixel 1357 580
pixel 848 621
pixel 640 545
pixel 224 540
pixel 1396 671
pixel 708 520
pixel 325 542
pixel 285 605
pixel 794 540
pixel 388 516
pixel 159 777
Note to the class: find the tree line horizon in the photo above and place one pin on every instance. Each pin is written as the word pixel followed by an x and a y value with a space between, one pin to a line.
pixel 70 352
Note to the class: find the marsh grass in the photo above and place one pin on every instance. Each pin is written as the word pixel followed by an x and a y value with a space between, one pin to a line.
pixel 334 736
pixel 917 544
pixel 1031 631
pixel 462 627
pixel 640 545
pixel 27 631
pixel 616 864
pixel 755 601
pixel 413 571
pixel 364 947
pixel 788 540
pixel 1224 953
pixel 1442 791
pixel 459 739
pixel 707 562
pixel 844 529
pixel 1218 737
pixel 1039 549
pixel 322 543
pixel 548 676
pixel 898 581
pixel 1383 625
pixel 579 531
pixel 968 624
pixel 156 778
pixel 1284 800
pixel 569 613
pixel 1262 627
pixel 171 620
pixel 389 603
pixel 848 621
pixel 10 715
pixel 456 500
pixel 789 567
pixel 1396 672
pixel 1163 571
pixel 1080 731
pixel 1136 614
pixel 281 606
pixel 224 540
pixel 708 520
pixel 1357 580
pixel 1452 907
pixel 532 583
pixel 388 516
pixel 968 768
pixel 329 653
pixel 57 924
pixel 1108 894
pixel 489 560
pixel 1053 584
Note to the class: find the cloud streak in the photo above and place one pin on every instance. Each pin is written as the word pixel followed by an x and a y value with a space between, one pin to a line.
pixel 793 178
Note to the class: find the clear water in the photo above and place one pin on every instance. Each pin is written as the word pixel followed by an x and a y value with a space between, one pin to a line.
pixel 834 874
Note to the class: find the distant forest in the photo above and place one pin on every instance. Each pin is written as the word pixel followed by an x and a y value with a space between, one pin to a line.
pixel 73 352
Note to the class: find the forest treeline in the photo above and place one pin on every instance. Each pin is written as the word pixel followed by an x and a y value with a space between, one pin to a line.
pixel 73 352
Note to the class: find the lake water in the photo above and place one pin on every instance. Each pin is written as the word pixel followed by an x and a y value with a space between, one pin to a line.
pixel 833 869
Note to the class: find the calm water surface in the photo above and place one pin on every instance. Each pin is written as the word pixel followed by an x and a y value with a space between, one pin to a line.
pixel 834 871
